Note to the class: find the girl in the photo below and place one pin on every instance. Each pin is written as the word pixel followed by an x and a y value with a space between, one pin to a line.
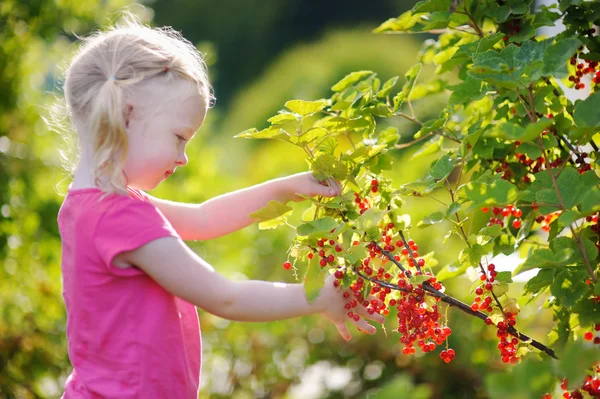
pixel 136 96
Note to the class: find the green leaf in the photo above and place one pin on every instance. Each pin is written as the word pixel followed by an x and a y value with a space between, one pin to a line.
pixel 312 134
pixel 557 56
pixel 569 286
pixel 273 223
pixel 369 219
pixel 430 147
pixel 313 279
pixel 272 132
pixel 356 254
pixel 283 118
pixel 571 185
pixel 434 218
pixel 497 193
pixel 544 258
pixel 387 87
pixel 326 166
pixel 467 91
pixel 305 108
pixel 511 67
pixel 317 227
pixel 516 132
pixel 591 201
pixel 586 111
pixel 453 208
pixel 272 210
pixel 442 168
pixel 411 77
pixel 575 359
pixel 542 280
pixel 505 277
pixel 431 5
pixel 351 79
pixel 531 378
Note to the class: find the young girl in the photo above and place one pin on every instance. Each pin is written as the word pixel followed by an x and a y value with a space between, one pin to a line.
pixel 136 96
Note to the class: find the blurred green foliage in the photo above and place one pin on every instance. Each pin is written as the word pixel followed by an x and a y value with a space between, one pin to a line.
pixel 301 358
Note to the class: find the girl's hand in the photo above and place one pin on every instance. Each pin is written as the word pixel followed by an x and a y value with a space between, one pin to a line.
pixel 332 302
pixel 306 184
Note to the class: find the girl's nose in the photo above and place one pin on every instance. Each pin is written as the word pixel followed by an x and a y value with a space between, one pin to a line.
pixel 182 160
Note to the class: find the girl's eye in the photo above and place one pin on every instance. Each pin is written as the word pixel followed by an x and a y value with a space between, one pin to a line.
pixel 180 138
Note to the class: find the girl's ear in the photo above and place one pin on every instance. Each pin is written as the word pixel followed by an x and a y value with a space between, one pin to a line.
pixel 128 114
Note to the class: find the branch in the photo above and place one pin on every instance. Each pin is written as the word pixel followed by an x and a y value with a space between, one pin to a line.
pixel 462 306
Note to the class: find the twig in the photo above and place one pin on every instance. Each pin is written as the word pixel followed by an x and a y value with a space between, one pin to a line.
pixel 410 252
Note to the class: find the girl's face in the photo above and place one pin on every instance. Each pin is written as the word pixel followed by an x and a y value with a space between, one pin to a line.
pixel 159 126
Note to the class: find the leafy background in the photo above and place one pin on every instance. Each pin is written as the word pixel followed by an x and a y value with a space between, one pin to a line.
pixel 254 72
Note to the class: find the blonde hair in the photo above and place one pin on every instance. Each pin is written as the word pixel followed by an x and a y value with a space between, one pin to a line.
pixel 103 75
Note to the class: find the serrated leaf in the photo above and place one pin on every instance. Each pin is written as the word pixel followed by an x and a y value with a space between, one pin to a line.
pixel 434 218
pixel 544 258
pixel 513 131
pixel 325 166
pixel 317 227
pixel 542 280
pixel 272 210
pixel 283 118
pixel 369 219
pixel 313 280
pixel 497 193
pixel 504 277
pixel 356 254
pixel 575 359
pixel 268 133
pixel 500 288
pixel 273 223
pixel 442 168
pixel 387 87
pixel 305 108
pixel 586 111
pixel 431 6
pixel 351 79
pixel 557 56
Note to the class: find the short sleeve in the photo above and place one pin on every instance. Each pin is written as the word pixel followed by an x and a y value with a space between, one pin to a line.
pixel 126 225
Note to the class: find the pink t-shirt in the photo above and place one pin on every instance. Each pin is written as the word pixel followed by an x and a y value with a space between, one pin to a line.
pixel 127 336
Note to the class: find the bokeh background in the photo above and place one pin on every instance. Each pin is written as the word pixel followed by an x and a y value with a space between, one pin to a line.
pixel 260 54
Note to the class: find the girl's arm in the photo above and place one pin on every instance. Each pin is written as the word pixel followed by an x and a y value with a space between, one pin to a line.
pixel 180 271
pixel 227 213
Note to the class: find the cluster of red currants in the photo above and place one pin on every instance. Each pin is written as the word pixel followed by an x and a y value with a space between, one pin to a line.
pixel 507 347
pixel 485 305
pixel 546 220
pixel 498 213
pixel 374 185
pixel 363 204
pixel 595 228
pixel 591 386
pixel 582 69
pixel 418 322
pixel 589 336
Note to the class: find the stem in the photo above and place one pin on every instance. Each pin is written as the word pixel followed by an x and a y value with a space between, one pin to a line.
pixel 418 122
pixel 576 236
pixel 350 140
pixel 405 145
pixel 466 240
pixel 473 22
pixel 410 252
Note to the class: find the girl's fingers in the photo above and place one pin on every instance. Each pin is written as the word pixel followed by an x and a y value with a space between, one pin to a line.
pixel 376 317
pixel 343 330
pixel 364 326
